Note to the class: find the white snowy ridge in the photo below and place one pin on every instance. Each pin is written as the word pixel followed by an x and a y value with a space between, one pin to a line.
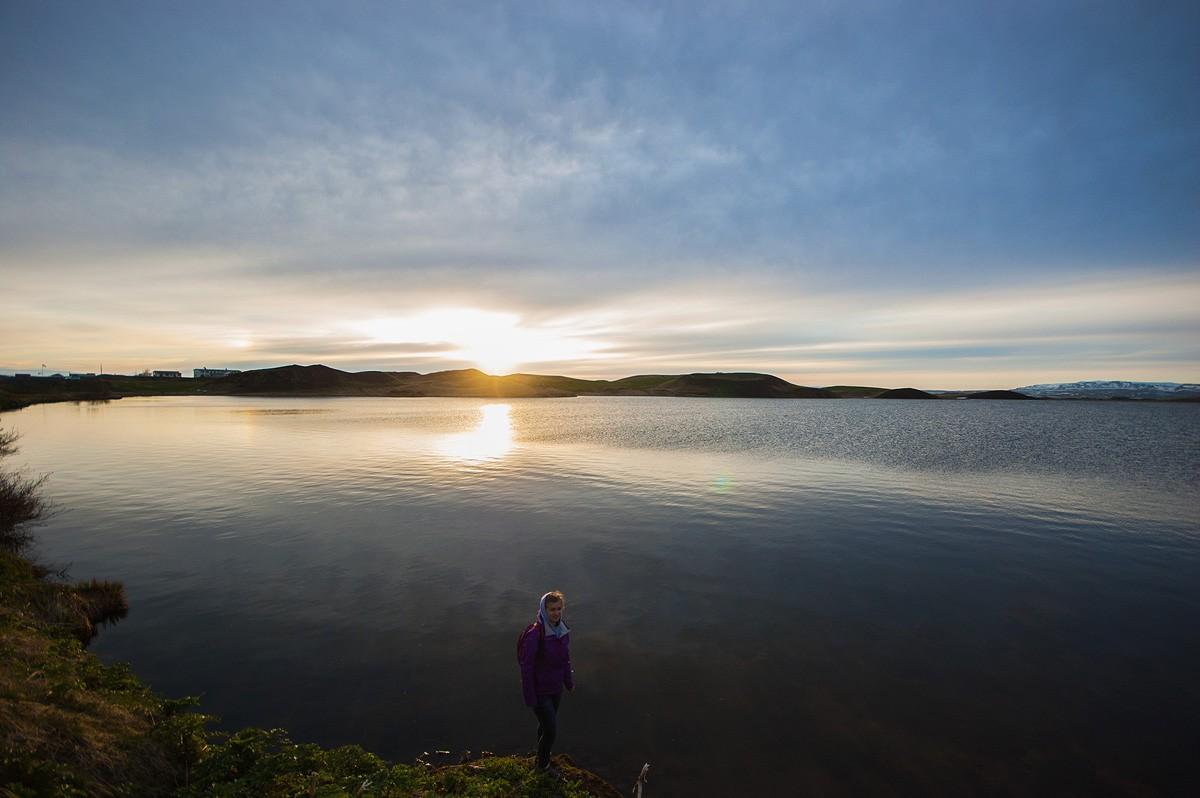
pixel 1111 388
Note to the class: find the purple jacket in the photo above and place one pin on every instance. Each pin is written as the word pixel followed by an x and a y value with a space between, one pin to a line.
pixel 547 671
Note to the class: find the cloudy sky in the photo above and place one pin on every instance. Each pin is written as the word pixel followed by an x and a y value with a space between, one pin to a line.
pixel 933 194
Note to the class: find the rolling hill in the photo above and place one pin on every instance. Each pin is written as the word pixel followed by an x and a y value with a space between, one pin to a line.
pixel 318 380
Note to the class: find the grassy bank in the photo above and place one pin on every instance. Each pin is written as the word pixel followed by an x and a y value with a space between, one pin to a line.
pixel 73 726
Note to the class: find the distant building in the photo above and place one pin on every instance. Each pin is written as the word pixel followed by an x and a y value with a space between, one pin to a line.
pixel 166 374
pixel 198 373
pixel 19 374
pixel 75 375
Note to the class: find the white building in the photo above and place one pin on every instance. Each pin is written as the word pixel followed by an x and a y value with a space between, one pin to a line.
pixel 206 372
pixel 166 374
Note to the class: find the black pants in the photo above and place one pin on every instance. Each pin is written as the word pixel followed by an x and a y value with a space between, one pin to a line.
pixel 546 710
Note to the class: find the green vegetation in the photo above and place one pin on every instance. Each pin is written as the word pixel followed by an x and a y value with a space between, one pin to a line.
pixel 21 502
pixel 641 382
pixel 255 763
pixel 71 726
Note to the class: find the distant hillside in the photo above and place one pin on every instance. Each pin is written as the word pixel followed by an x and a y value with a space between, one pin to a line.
pixel 1113 389
pixel 325 381
pixel 303 380
pixel 473 382
pixel 320 380
pixel 721 385
pixel 997 395
pixel 855 391
pixel 905 393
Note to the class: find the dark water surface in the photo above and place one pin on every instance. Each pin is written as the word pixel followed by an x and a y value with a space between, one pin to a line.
pixel 766 597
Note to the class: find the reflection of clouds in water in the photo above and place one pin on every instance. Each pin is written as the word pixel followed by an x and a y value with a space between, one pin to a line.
pixel 877 573
pixel 492 437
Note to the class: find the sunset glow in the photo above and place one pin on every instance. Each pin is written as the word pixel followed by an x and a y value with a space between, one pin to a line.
pixel 493 342
pixel 806 191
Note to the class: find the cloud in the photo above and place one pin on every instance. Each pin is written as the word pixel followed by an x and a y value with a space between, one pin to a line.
pixel 794 187
pixel 838 141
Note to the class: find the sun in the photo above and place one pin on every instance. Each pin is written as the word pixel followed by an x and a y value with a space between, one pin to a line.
pixel 495 342
pixel 492 361
pixel 498 348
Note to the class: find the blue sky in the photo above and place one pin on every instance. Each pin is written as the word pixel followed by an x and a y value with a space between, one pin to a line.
pixel 935 194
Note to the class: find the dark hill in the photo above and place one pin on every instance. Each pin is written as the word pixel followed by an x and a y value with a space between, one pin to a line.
pixel 711 385
pixel 321 380
pixel 311 380
pixel 756 386
pixel 639 384
pixel 998 395
pixel 854 391
pixel 473 382
pixel 572 386
pixel 905 393
pixel 325 381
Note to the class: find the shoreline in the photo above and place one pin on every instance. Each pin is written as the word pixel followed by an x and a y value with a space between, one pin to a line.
pixel 11 404
pixel 73 725
pixel 322 382
pixel 70 722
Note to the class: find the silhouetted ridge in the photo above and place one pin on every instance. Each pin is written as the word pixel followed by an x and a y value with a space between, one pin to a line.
pixel 317 379
pixel 325 381
pixel 905 393
pixel 998 395
pixel 473 382
pixel 854 391
pixel 321 380
pixel 751 386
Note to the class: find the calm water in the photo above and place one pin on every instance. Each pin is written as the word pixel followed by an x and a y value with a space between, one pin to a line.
pixel 766 597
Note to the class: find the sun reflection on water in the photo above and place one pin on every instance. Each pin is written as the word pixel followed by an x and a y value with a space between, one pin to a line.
pixel 492 437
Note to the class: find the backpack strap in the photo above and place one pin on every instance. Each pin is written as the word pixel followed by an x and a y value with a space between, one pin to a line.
pixel 541 632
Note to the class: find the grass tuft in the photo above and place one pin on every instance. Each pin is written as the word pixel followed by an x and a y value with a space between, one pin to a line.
pixel 101 602
pixel 21 502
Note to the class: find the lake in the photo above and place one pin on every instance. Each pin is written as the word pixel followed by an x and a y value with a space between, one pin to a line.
pixel 766 597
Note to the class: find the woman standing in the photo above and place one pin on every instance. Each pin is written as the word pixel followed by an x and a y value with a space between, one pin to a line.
pixel 544 654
